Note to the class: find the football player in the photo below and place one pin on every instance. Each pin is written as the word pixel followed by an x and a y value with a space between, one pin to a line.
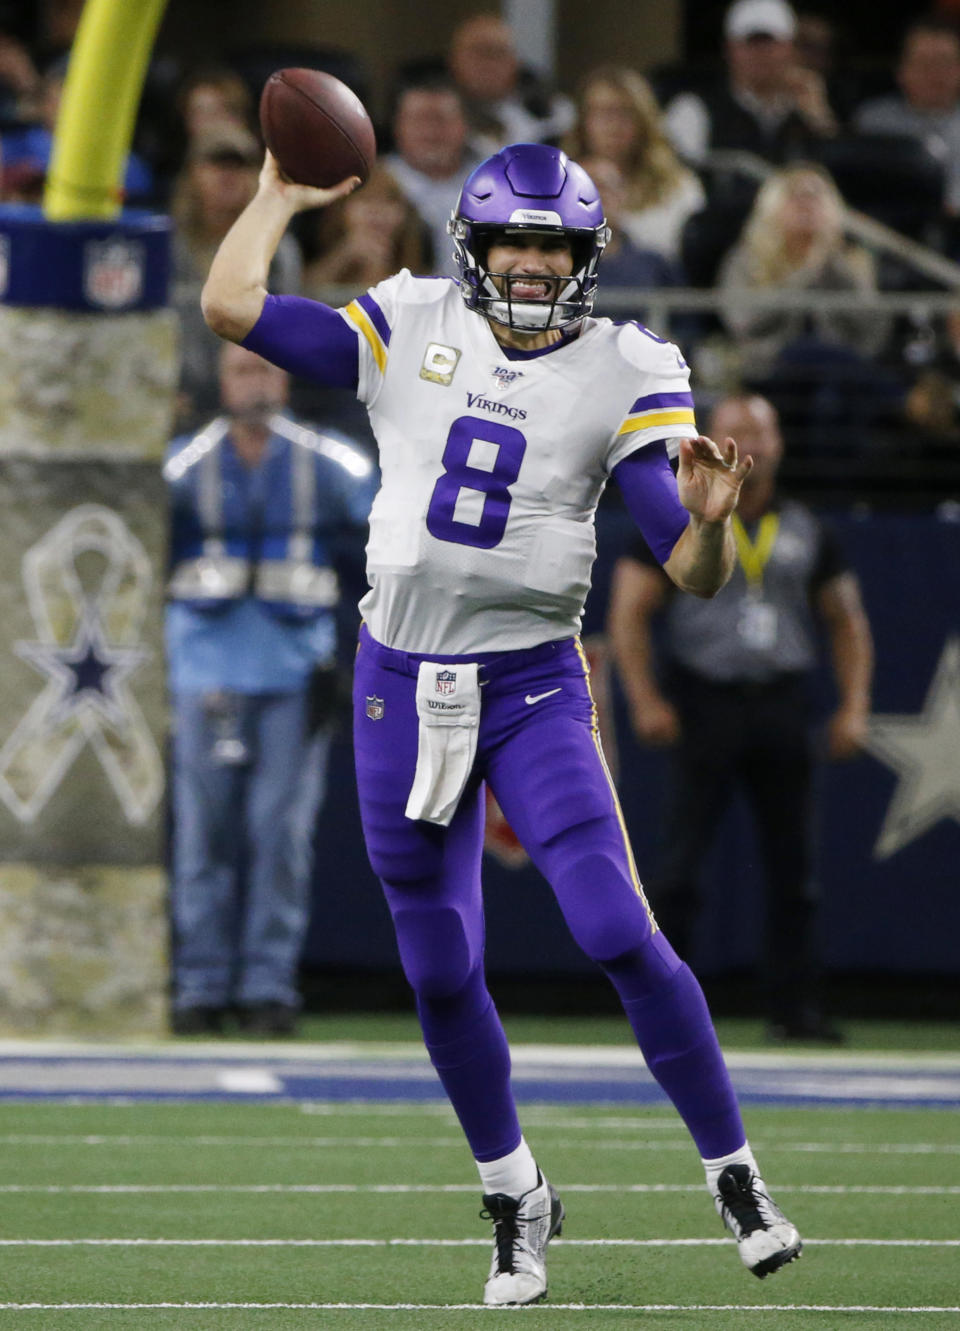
pixel 501 409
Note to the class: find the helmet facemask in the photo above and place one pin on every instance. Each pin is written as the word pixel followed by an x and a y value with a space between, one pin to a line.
pixel 568 299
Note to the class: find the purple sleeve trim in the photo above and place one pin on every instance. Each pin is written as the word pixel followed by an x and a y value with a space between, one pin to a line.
pixel 377 317
pixel 653 400
pixel 308 339
pixel 649 490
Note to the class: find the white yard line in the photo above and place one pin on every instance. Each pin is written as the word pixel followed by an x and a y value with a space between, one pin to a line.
pixel 816 1189
pixel 547 1308
pixel 542 1116
pixel 450 1243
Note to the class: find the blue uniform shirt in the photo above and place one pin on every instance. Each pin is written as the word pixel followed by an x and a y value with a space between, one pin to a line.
pixel 240 642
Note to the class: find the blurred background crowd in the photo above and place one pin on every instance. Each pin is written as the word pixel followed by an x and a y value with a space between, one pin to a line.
pixel 784 203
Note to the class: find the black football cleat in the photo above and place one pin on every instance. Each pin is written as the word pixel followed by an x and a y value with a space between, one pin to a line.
pixel 522 1228
pixel 765 1237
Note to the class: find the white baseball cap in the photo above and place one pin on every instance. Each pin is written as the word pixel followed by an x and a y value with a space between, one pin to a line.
pixel 751 18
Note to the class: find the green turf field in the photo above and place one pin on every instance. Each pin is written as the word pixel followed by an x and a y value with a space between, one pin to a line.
pixel 240 1209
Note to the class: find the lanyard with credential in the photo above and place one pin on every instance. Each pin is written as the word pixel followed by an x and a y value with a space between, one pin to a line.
pixel 754 555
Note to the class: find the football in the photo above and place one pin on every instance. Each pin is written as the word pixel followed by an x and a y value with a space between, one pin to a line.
pixel 316 128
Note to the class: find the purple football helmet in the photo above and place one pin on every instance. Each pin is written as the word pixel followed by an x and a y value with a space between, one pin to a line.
pixel 529 187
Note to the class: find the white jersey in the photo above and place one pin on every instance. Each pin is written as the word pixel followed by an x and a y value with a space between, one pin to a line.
pixel 482 534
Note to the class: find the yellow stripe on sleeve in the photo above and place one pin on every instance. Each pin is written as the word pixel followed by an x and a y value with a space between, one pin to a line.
pixel 646 419
pixel 358 314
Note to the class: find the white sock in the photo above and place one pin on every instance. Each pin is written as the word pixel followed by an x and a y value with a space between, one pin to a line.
pixel 512 1174
pixel 714 1168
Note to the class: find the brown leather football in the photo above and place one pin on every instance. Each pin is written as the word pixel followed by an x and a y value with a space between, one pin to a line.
pixel 316 128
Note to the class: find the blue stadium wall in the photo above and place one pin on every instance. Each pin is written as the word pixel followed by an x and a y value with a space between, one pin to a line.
pixel 897 912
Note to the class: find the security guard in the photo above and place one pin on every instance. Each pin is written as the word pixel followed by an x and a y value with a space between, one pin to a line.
pixel 257 502
pixel 736 709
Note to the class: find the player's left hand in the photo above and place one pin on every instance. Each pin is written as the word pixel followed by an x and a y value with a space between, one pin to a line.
pixel 709 477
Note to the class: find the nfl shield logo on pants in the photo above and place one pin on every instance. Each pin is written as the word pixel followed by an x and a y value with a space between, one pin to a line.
pixel 374 708
pixel 446 682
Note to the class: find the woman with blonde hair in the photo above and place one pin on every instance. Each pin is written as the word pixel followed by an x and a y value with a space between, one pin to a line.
pixel 817 366
pixel 619 119
pixel 368 236
pixel 793 240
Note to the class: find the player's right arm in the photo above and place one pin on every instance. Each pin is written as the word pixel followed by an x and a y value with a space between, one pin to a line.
pixel 236 288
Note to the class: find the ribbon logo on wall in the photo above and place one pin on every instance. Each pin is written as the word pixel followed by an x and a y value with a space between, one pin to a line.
pixel 87 584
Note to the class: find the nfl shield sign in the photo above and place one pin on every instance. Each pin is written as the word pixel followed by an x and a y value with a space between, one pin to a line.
pixel 446 682
pixel 113 272
pixel 374 708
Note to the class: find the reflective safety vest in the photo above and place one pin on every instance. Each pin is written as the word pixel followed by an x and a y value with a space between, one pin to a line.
pixel 272 547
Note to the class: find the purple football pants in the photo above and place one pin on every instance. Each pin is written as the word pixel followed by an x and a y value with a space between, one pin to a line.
pixel 539 751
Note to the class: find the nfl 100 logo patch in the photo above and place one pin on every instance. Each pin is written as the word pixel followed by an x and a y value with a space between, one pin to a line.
pixel 506 375
pixel 446 682
pixel 374 708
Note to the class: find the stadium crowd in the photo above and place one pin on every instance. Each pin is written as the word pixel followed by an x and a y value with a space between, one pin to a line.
pixel 747 183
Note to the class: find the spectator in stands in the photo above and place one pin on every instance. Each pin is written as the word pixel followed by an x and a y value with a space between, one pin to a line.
pixel 217 182
pixel 820 45
pixel 794 241
pixel 368 236
pixel 770 104
pixel 177 109
pixel 57 22
pixel 814 364
pixel 726 688
pixel 624 263
pixel 211 95
pixel 32 144
pixel 927 107
pixel 22 183
pixel 505 102
pixel 432 158
pixel 190 108
pixel 19 82
pixel 619 120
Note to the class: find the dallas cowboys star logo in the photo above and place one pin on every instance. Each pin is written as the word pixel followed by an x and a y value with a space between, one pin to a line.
pixel 90 673
pixel 922 749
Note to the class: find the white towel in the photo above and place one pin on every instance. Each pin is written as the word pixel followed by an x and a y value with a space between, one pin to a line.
pixel 448 706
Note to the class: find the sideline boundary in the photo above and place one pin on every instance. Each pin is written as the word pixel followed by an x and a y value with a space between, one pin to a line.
pixel 350 1070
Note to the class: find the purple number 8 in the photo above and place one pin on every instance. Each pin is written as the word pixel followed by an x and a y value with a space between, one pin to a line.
pixel 459 475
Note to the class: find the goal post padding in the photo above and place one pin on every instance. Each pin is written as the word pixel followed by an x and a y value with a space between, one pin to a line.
pixel 89 349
